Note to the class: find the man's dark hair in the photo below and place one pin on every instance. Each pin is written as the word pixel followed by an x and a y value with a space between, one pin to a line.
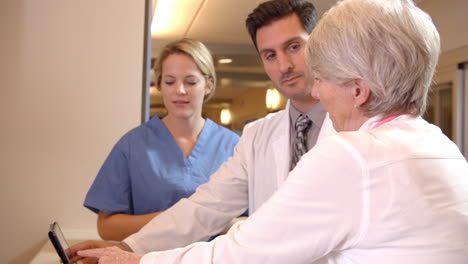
pixel 271 11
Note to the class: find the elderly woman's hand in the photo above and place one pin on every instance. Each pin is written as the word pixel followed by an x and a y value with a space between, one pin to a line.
pixel 111 255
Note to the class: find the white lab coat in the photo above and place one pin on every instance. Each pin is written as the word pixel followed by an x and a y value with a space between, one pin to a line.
pixel 260 164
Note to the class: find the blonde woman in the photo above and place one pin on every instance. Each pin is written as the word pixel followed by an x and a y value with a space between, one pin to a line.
pixel 156 164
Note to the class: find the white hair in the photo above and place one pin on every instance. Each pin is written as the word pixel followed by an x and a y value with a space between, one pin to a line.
pixel 390 44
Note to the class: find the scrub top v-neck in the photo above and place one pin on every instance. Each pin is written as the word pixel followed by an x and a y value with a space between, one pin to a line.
pixel 147 171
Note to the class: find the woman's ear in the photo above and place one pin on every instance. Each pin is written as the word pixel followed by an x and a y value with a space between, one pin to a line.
pixel 361 92
pixel 209 85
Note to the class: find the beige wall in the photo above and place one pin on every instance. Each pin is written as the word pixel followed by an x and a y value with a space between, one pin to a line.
pixel 449 16
pixel 70 79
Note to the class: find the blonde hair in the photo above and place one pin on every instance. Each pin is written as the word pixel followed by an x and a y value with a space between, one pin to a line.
pixel 391 44
pixel 199 54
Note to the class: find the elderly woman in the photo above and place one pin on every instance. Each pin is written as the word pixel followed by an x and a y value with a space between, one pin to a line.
pixel 388 188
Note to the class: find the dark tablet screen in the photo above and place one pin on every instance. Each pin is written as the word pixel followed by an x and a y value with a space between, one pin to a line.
pixel 59 242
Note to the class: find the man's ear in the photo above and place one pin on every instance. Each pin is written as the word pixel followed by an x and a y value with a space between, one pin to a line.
pixel 361 92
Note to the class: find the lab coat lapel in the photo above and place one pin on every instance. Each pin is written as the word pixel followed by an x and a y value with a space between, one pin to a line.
pixel 281 148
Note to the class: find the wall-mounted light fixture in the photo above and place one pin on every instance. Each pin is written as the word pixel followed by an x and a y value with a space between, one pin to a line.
pixel 225 116
pixel 273 99
pixel 225 61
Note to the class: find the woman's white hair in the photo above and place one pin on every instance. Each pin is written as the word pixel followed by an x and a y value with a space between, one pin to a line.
pixel 390 44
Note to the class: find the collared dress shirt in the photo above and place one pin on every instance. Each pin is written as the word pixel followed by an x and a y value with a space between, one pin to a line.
pixel 316 115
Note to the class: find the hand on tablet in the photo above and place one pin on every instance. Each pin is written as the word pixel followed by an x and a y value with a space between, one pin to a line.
pixel 111 255
pixel 90 244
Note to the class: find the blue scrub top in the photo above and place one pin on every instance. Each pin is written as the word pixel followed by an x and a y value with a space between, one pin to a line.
pixel 147 171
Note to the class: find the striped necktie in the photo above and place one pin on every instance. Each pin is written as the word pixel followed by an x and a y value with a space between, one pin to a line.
pixel 300 146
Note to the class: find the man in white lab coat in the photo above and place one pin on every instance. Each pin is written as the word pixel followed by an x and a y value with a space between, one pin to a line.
pixel 268 148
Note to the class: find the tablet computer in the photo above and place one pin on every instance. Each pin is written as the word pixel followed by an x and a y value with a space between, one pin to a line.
pixel 59 242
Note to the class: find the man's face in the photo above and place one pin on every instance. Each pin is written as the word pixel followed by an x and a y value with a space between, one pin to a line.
pixel 281 47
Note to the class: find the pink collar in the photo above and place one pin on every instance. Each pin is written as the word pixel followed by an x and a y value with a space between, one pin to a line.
pixel 387 119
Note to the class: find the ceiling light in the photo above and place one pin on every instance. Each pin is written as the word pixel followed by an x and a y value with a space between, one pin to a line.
pixel 172 18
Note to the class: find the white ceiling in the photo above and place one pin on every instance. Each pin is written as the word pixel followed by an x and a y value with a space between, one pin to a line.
pixel 221 22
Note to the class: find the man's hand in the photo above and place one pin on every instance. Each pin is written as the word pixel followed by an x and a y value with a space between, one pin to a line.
pixel 90 244
pixel 111 255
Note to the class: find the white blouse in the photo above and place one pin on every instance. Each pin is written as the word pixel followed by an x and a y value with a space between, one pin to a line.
pixel 397 193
